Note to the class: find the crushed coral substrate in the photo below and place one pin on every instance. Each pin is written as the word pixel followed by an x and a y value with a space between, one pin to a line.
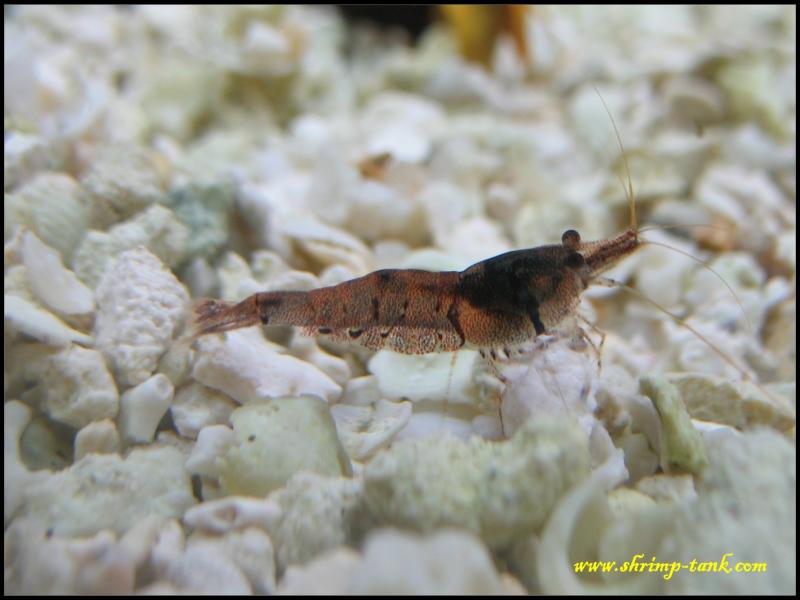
pixel 157 155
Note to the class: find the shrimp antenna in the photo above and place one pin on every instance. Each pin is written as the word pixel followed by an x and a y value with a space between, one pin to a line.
pixel 716 274
pixel 776 399
pixel 629 187
pixel 684 226
pixel 682 322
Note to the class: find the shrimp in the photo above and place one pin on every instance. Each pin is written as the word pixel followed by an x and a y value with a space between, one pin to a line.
pixel 495 304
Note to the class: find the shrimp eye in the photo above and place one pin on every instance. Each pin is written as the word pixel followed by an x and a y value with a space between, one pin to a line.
pixel 574 260
pixel 571 239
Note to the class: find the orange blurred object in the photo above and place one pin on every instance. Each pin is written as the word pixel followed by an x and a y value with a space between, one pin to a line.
pixel 477 27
